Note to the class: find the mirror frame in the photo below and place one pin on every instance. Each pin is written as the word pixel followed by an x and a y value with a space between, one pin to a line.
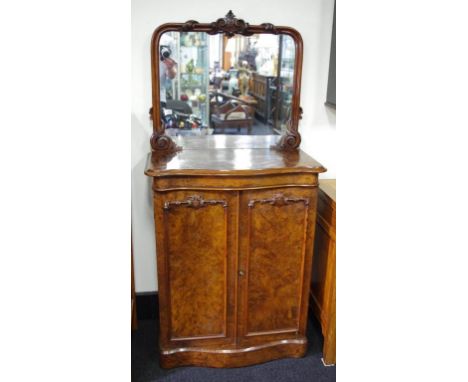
pixel 229 26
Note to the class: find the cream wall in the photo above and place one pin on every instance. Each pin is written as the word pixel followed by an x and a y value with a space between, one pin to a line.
pixel 312 18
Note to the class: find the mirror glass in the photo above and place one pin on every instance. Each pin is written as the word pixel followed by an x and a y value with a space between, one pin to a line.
pixel 211 84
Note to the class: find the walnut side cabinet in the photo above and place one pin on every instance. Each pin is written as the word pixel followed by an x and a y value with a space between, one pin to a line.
pixel 234 239
pixel 323 286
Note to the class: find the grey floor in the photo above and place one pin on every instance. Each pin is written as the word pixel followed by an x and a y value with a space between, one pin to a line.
pixel 145 366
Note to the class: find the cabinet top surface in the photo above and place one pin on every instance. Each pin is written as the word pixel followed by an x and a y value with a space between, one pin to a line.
pixel 224 156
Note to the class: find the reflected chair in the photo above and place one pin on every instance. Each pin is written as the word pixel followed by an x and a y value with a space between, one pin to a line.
pixel 232 114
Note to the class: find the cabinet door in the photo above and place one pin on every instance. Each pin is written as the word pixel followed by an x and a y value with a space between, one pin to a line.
pixel 196 247
pixel 276 236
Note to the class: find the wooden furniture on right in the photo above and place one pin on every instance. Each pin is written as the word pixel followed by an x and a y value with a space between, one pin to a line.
pixel 323 288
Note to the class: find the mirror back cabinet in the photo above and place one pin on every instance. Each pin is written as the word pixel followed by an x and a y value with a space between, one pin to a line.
pixel 235 221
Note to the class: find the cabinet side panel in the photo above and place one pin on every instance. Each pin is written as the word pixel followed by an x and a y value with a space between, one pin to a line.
pixel 319 270
pixel 196 248
pixel 324 259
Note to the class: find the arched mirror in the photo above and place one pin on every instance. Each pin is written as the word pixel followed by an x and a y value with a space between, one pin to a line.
pixel 225 78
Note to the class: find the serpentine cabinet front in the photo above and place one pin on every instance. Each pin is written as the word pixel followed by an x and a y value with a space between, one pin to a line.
pixel 234 258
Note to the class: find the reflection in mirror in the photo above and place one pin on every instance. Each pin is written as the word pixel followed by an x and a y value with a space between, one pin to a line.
pixel 210 84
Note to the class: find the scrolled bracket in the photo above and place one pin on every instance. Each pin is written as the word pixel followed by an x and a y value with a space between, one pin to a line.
pixel 194 201
pixel 162 143
pixel 278 200
pixel 291 140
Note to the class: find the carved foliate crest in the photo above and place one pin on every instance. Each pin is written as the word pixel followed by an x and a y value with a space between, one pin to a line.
pixel 230 25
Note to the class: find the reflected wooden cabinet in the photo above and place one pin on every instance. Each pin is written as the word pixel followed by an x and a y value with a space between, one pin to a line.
pixel 234 254
pixel 262 91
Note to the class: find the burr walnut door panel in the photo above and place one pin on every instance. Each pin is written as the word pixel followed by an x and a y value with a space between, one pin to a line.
pixel 198 240
pixel 276 236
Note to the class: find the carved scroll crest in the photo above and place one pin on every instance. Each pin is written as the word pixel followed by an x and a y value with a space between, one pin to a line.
pixel 230 25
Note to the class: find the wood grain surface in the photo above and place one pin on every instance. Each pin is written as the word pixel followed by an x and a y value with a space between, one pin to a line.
pixel 234 254
pixel 323 288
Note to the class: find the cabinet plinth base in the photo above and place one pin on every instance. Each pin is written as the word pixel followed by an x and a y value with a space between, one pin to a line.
pixel 233 357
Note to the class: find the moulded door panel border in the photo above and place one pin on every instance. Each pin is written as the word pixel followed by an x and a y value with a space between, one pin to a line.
pixel 276 234
pixel 197 261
